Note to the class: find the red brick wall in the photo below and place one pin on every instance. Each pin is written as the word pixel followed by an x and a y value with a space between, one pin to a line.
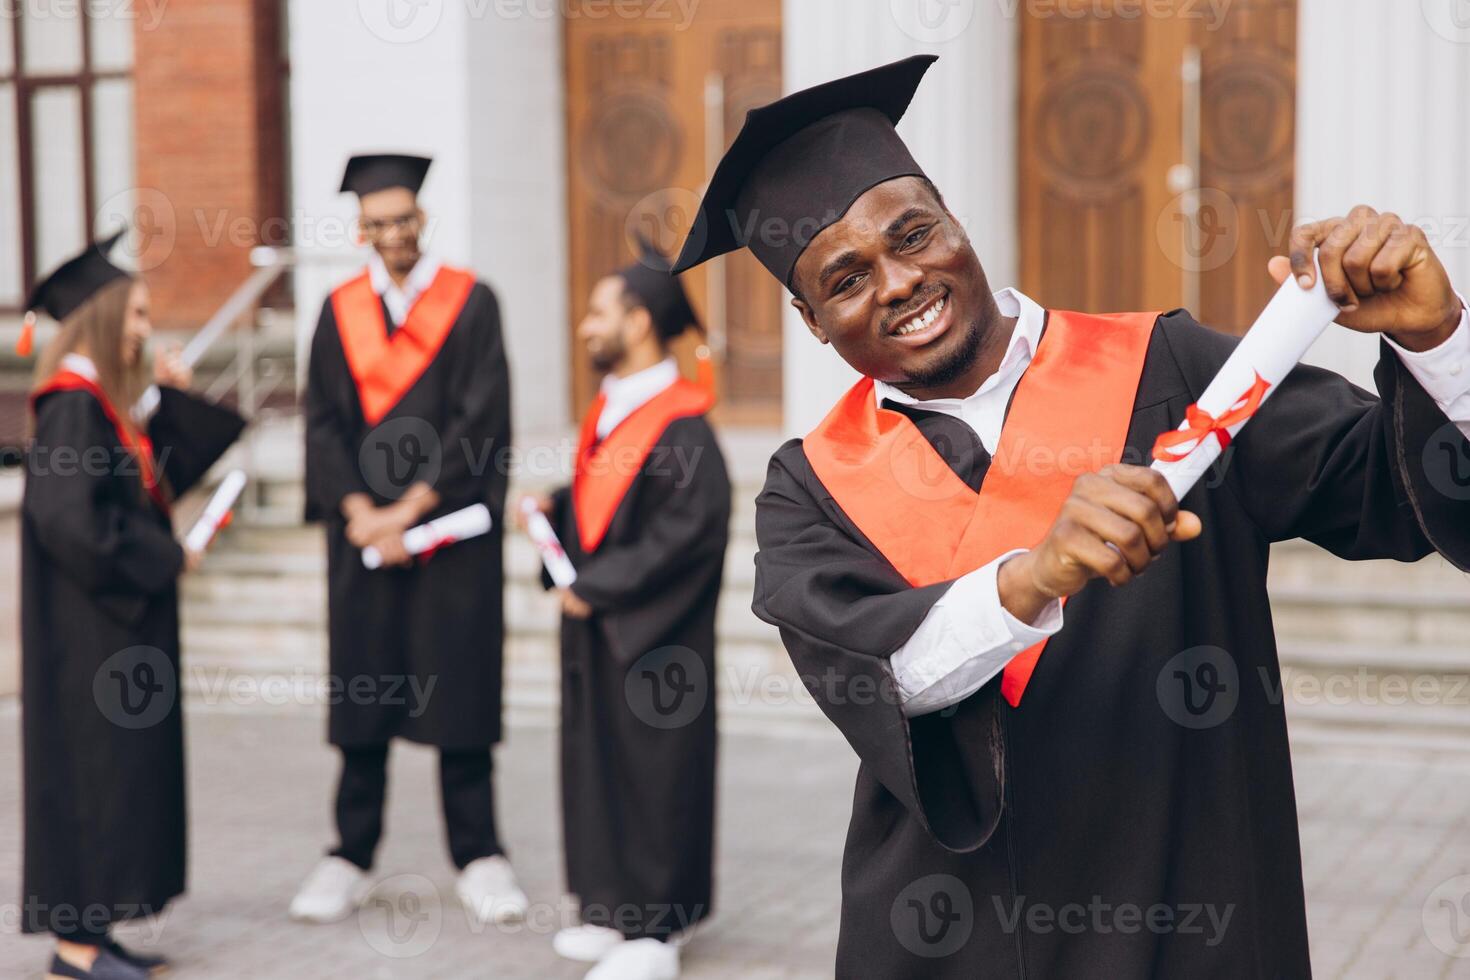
pixel 209 144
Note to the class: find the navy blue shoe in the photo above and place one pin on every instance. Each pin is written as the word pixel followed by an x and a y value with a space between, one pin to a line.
pixel 156 966
pixel 107 966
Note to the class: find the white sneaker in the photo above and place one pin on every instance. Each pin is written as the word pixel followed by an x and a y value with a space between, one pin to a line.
pixel 332 892
pixel 585 944
pixel 638 959
pixel 487 888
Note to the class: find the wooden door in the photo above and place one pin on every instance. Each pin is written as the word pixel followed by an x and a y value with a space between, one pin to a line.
pixel 1156 154
pixel 651 105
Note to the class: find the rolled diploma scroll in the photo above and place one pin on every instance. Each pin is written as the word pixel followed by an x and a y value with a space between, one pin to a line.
pixel 471 522
pixel 216 512
pixel 1278 340
pixel 553 555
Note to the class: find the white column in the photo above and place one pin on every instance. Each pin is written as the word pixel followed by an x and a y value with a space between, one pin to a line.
pixel 477 86
pixel 518 192
pixel 1383 118
pixel 961 129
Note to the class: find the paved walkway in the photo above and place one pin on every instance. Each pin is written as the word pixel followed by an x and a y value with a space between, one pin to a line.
pixel 1386 835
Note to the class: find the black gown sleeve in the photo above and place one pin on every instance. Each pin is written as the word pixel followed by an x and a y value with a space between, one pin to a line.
pixel 189 435
pixel 86 518
pixel 693 511
pixel 477 433
pixel 1327 461
pixel 843 611
pixel 331 466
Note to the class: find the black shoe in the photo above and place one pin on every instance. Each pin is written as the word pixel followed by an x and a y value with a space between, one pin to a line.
pixel 107 966
pixel 156 966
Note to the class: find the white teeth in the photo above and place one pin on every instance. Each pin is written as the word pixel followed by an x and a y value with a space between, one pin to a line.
pixel 923 322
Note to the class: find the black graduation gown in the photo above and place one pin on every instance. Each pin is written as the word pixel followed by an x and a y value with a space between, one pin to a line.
pixel 101 719
pixel 1144 783
pixel 638 735
pixel 421 644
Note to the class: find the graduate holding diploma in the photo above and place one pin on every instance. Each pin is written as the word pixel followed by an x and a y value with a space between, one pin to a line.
pixel 644 524
pixel 407 420
pixel 102 721
pixel 1023 762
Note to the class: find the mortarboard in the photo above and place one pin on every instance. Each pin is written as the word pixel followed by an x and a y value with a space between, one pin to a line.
pixel 660 291
pixel 800 162
pixel 74 282
pixel 371 172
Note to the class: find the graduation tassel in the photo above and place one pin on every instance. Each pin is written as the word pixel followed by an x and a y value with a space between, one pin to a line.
pixel 704 369
pixel 27 341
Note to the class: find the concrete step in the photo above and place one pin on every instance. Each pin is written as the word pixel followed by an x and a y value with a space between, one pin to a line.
pixel 1371 615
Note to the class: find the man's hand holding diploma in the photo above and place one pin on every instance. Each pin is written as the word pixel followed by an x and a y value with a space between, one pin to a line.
pixel 1383 277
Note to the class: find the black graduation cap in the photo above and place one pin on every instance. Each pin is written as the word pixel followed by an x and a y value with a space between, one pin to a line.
pixel 800 162
pixel 368 172
pixel 660 291
pixel 77 280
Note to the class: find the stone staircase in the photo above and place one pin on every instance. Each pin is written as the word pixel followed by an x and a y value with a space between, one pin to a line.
pixel 1373 650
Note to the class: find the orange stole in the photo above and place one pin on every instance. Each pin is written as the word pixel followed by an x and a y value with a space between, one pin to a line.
pixel 606 471
pixel 140 446
pixel 384 367
pixel 1070 416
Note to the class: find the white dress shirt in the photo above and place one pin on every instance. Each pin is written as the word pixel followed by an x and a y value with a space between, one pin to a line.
pixel 400 299
pixel 626 395
pixel 968 636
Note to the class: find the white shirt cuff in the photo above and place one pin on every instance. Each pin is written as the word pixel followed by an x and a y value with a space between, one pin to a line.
pixel 965 640
pixel 1444 372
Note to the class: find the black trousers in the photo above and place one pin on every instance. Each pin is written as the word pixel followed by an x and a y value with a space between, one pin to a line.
pixel 465 788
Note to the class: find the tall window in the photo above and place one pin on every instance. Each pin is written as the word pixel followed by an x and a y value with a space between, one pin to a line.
pixel 66 132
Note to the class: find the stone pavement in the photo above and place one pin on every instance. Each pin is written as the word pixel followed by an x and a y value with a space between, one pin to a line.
pixel 1386 836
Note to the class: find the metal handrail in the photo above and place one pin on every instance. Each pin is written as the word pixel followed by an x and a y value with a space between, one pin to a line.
pixel 270 264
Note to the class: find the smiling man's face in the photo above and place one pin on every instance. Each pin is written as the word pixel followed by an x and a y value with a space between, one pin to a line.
pixel 896 288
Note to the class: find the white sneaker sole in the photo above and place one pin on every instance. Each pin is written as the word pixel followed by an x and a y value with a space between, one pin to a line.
pixel 320 919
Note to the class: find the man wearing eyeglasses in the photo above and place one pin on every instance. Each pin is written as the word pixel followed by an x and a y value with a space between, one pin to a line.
pixel 408 419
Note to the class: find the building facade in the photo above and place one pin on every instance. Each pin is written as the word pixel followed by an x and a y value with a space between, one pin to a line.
pixel 1102 154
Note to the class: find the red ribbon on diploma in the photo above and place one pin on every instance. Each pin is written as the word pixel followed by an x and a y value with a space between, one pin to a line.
pixel 1199 424
pixel 433 549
